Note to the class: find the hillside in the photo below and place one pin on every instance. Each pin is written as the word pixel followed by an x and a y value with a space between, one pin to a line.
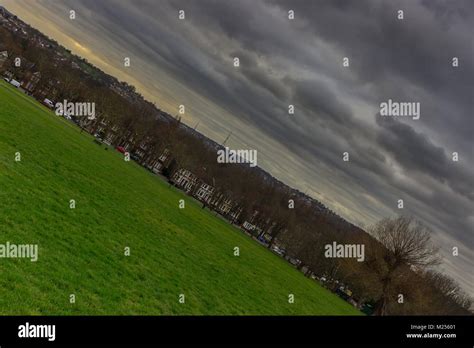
pixel 118 205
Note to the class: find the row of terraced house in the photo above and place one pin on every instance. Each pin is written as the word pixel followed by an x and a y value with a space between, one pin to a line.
pixel 164 163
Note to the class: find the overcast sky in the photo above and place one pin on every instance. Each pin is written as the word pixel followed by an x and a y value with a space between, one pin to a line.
pixel 299 62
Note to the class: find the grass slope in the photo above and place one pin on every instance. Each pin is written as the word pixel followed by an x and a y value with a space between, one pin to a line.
pixel 118 204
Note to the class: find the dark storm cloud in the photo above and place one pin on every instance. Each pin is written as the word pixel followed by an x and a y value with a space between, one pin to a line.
pixel 416 152
pixel 386 52
pixel 299 62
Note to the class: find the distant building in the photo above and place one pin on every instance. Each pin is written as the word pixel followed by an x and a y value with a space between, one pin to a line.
pixel 145 144
pixel 157 166
pixel 101 126
pixel 225 205
pixel 111 134
pixel 204 192
pixel 235 213
pixel 184 179
pixel 30 81
pixel 165 156
pixel 128 140
pixel 140 154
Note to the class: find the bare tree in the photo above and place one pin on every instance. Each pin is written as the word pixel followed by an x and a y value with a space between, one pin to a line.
pixel 403 242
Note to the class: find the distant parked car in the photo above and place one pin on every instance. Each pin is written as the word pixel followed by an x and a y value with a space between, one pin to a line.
pixel 344 294
pixel 99 137
pixel 263 241
pixel 48 103
pixel 6 79
pixel 367 308
pixel 278 251
pixel 121 149
pixel 15 83
pixel 294 262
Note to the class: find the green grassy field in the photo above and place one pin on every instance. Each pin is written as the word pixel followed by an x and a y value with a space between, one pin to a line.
pixel 119 204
